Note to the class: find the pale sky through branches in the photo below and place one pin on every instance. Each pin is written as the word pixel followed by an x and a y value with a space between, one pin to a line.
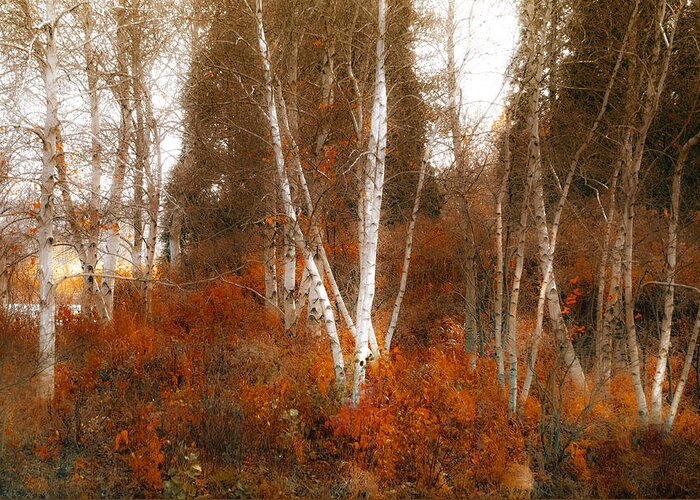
pixel 488 32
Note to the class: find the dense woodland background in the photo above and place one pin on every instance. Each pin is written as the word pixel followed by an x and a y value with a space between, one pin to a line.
pixel 348 283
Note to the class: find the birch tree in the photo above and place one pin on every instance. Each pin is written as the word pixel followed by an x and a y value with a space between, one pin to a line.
pixel 371 203
pixel 500 261
pixel 121 90
pixel 533 80
pixel 408 249
pixel 687 363
pixel 47 58
pixel 460 162
pixel 652 78
pixel 547 255
pixel 286 198
pixel 670 276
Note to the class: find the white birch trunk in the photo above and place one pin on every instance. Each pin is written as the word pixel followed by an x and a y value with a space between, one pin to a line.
pixel 678 394
pixel 427 155
pixel 500 261
pixel 669 277
pixel 154 182
pixel 111 216
pixel 174 237
pixel 289 274
pixel 613 308
pixel 285 192
pixel 372 202
pixel 534 347
pixel 512 326
pixel 142 143
pixel 290 132
pixel 603 345
pixel 90 286
pixel 303 291
pixel 47 305
pixel 270 257
pixel 314 316
pixel 670 267
pixel 628 290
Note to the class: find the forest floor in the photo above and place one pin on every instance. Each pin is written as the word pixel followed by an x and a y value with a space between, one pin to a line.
pixel 212 397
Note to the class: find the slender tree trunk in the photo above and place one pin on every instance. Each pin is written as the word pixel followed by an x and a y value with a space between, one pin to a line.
pixel 290 132
pixel 407 249
pixel 317 241
pixel 142 164
pixel 114 205
pixel 603 340
pixel 690 353
pixel 174 239
pixel 512 326
pixel 372 203
pixel 670 276
pixel 289 275
pixel 534 348
pixel 285 192
pixel 270 263
pixel 632 345
pixel 614 316
pixel 314 314
pixel 154 182
pixel 47 306
pixel 572 365
pixel 500 261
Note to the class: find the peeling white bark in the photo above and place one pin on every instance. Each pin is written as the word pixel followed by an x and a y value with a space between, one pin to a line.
pixel 670 276
pixel 371 201
pixel 111 212
pixel 47 306
pixel 655 72
pixel 500 261
pixel 603 341
pixel 285 192
pixel 678 394
pixel 547 261
pixel 289 274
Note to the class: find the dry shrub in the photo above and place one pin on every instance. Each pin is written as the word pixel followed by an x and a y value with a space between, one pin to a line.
pixel 213 373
